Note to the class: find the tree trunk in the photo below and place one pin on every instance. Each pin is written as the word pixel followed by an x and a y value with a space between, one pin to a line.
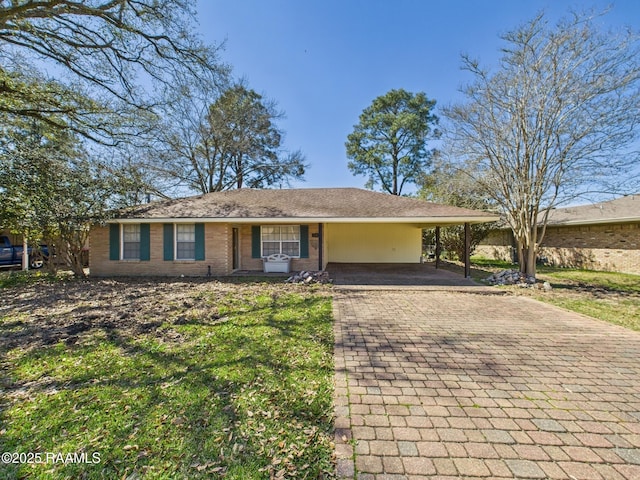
pixel 530 267
pixel 239 174
pixel 527 258
pixel 76 266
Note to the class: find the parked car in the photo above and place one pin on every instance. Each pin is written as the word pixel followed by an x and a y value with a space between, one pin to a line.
pixel 11 255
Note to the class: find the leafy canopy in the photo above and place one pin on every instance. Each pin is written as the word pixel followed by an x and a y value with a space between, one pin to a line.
pixel 52 189
pixel 389 144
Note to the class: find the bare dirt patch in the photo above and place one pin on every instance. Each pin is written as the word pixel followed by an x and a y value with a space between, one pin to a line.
pixel 40 314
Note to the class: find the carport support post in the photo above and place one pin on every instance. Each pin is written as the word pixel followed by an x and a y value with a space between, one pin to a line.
pixel 438 249
pixel 467 250
pixel 320 247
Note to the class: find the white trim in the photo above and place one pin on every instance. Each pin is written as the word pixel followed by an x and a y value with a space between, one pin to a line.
pixel 281 225
pixel 121 233
pixel 175 243
pixel 418 221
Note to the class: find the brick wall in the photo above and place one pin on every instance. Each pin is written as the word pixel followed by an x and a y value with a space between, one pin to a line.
pixel 496 245
pixel 610 247
pixel 613 247
pixel 218 254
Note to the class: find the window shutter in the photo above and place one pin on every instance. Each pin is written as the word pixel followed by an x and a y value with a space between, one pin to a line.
pixel 256 249
pixel 114 241
pixel 145 242
pixel 167 236
pixel 304 241
pixel 199 241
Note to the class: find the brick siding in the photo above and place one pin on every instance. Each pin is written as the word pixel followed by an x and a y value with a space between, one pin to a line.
pixel 218 254
pixel 498 245
pixel 608 247
pixel 613 247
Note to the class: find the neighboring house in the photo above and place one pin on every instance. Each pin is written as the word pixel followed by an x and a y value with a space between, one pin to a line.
pixel 601 236
pixel 223 232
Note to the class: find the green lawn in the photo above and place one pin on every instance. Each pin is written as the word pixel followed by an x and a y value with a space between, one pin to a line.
pixel 610 281
pixel 609 296
pixel 167 380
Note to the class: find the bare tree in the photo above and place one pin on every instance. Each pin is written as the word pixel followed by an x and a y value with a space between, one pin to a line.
pixel 101 48
pixel 558 118
pixel 232 142
pixel 183 148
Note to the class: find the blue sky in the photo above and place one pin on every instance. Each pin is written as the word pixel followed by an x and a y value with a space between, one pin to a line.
pixel 324 61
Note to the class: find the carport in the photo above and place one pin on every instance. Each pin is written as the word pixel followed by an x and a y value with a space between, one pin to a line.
pixel 395 274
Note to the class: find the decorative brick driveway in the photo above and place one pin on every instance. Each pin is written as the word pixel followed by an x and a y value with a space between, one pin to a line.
pixel 443 384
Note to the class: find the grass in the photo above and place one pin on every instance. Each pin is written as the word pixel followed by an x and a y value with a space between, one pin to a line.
pixel 231 382
pixel 610 281
pixel 16 278
pixel 609 296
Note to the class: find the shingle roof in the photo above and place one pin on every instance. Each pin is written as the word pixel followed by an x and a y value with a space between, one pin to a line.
pixel 313 204
pixel 623 209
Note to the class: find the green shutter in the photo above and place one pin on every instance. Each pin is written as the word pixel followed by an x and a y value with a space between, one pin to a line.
pixel 304 241
pixel 199 241
pixel 114 241
pixel 256 249
pixel 145 242
pixel 167 236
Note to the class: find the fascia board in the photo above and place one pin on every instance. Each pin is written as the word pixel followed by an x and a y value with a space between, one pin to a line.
pixel 450 220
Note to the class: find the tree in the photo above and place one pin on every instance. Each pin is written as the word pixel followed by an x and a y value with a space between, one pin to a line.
pixel 557 118
pixel 28 95
pixel 102 48
pixel 25 155
pixel 249 140
pixel 389 143
pixel 52 190
pixel 87 193
pixel 448 185
pixel 232 143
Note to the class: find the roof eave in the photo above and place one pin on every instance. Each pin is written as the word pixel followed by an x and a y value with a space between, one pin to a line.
pixel 593 221
pixel 433 220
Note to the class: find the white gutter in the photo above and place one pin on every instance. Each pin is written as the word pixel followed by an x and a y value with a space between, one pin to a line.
pixel 281 220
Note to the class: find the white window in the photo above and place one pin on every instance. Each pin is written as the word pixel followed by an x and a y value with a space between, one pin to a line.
pixel 281 239
pixel 131 242
pixel 185 241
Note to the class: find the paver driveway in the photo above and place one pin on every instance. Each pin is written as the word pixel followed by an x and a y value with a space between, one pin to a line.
pixel 437 384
